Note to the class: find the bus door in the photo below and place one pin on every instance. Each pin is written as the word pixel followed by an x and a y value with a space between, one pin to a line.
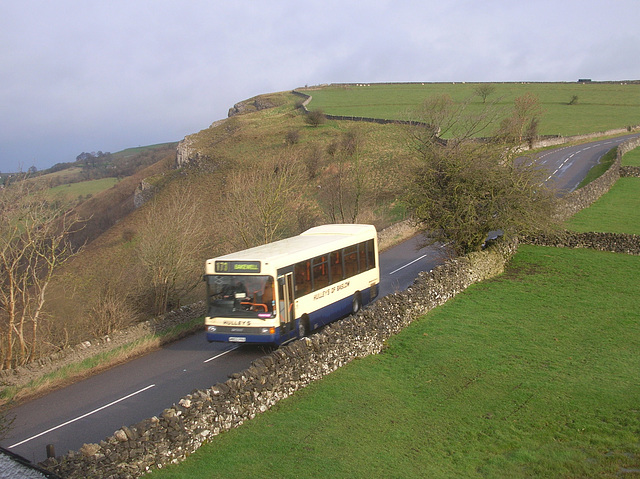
pixel 285 305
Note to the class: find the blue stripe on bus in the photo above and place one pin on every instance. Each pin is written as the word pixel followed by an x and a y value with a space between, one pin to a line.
pixel 337 310
pixel 330 313
pixel 317 319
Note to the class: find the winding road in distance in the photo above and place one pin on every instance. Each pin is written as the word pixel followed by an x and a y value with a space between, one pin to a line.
pixel 568 165
pixel 93 409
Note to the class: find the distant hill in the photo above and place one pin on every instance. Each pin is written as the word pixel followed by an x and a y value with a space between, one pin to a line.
pixel 97 165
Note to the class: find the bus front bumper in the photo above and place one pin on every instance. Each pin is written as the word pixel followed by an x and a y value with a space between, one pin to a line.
pixel 242 335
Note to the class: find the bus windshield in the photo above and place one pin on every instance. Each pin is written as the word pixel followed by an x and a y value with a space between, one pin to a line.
pixel 240 296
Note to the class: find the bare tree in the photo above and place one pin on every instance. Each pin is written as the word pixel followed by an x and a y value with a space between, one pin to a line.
pixel 315 118
pixel 483 90
pixel 110 305
pixel 312 161
pixel 263 203
pixel 522 125
pixel 34 233
pixel 355 180
pixel 344 185
pixel 173 239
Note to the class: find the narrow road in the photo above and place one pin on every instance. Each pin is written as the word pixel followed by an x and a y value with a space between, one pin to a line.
pixel 568 165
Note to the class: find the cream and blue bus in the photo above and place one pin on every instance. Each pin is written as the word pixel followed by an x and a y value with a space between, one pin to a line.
pixel 277 292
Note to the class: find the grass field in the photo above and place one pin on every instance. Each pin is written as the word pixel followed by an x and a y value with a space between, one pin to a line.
pixel 82 189
pixel 600 106
pixel 631 158
pixel 533 374
pixel 618 211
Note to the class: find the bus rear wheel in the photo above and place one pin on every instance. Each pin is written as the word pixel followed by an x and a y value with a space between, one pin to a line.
pixel 357 303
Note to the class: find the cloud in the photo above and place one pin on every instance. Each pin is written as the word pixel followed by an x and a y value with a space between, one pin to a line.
pixel 80 76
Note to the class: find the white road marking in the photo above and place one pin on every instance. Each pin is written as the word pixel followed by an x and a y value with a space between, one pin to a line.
pixel 221 354
pixel 408 264
pixel 83 416
pixel 573 154
pixel 567 159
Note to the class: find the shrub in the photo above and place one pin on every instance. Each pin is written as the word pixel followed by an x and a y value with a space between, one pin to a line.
pixel 315 118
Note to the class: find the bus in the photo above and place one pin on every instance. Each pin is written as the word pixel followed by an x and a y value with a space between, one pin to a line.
pixel 277 292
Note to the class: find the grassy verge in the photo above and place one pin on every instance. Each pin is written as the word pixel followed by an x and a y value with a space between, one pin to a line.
pixel 598 170
pixel 534 374
pixel 623 199
pixel 96 363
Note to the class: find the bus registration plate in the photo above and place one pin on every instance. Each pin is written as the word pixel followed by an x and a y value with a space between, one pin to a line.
pixel 237 339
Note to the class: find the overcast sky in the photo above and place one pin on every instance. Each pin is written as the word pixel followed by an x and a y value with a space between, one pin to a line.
pixel 89 75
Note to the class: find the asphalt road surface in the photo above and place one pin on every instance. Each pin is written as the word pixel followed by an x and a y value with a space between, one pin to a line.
pixel 93 409
pixel 569 165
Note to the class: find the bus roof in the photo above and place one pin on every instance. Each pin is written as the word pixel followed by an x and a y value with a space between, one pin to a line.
pixel 313 242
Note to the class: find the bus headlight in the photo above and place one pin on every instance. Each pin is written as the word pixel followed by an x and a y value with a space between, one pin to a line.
pixel 270 330
pixel 211 329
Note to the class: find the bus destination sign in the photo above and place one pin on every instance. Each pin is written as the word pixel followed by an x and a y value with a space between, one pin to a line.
pixel 237 266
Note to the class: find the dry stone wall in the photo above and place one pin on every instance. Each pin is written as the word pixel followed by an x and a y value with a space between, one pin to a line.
pixel 630 171
pixel 614 242
pixel 185 426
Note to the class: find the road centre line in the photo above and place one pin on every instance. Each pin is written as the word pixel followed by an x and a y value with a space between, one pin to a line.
pixel 221 354
pixel 83 416
pixel 408 264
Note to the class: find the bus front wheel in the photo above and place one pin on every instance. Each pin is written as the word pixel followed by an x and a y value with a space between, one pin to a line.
pixel 303 328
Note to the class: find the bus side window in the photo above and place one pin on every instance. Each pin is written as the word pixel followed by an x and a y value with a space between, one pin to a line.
pixel 362 253
pixel 336 266
pixel 371 255
pixel 302 272
pixel 320 272
pixel 351 261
